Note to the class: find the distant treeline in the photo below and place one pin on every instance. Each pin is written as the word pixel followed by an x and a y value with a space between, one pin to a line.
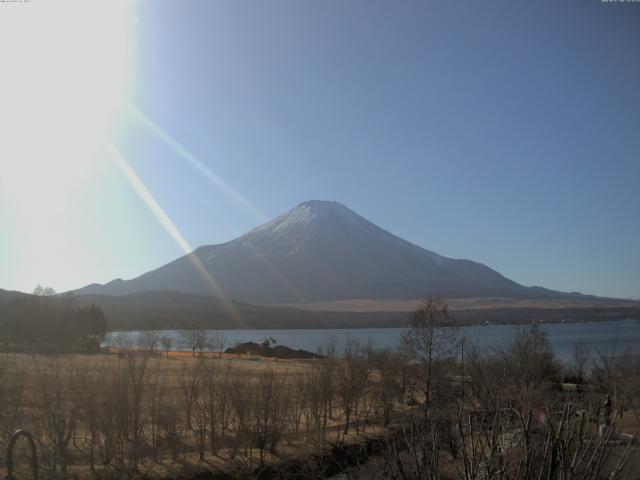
pixel 50 324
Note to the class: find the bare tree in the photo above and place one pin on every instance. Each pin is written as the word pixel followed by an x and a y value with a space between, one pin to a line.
pixel 167 343
pixel 223 400
pixel 312 400
pixel 195 339
pixel 529 364
pixel 209 374
pixel 619 374
pixel 190 389
pixel 328 368
pixel 352 378
pixel 388 387
pixel 413 452
pixel 268 411
pixel 12 389
pixel 432 339
pixel 57 413
pixel 241 426
pixel 577 371
pixel 135 369
pixel 149 341
pixel 44 291
pixel 488 376
pixel 218 343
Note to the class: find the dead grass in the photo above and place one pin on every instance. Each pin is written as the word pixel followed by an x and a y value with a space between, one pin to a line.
pixel 175 371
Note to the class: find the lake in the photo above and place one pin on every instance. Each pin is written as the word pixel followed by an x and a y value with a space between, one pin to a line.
pixel 605 336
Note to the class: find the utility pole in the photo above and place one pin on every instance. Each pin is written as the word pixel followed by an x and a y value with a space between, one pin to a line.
pixel 462 340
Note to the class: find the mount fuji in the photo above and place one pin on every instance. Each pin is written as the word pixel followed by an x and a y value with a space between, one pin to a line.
pixel 321 251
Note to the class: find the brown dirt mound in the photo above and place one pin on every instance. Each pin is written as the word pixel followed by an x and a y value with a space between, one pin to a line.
pixel 279 351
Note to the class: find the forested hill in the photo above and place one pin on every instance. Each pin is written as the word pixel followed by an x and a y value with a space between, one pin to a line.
pixel 49 323
pixel 175 310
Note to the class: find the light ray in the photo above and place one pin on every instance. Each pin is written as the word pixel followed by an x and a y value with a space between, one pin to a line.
pixel 166 222
pixel 195 163
pixel 216 180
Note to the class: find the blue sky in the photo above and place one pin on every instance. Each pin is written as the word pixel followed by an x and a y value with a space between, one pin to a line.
pixel 504 132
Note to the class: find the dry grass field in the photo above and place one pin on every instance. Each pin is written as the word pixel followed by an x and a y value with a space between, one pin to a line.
pixel 162 415
pixel 150 414
pixel 461 304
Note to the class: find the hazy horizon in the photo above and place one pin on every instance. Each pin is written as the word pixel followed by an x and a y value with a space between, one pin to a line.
pixel 501 133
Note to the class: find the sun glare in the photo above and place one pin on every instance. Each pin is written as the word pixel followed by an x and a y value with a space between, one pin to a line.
pixel 64 74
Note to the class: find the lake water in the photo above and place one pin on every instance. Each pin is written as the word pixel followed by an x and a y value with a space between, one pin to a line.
pixel 606 336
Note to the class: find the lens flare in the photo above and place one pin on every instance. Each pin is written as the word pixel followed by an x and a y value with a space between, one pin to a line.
pixel 195 163
pixel 221 184
pixel 166 222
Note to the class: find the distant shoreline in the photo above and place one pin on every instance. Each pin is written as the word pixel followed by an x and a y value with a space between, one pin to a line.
pixel 161 312
pixel 397 325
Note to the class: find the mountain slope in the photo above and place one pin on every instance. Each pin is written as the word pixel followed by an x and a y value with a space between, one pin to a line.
pixel 321 251
pixel 175 310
